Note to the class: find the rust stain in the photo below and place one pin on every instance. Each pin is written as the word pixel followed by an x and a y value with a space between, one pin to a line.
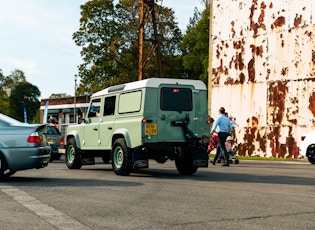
pixel 232 29
pixel 311 106
pixel 242 78
pixel 297 20
pixel 284 71
pixel 218 52
pixel 251 70
pixel 280 21
pixel 259 51
pixel 255 26
pixel 229 81
pixel 313 56
pixel 262 140
pixel 262 13
pixel 274 137
pixel 277 93
pixel 249 137
pixel 292 146
pixel 241 149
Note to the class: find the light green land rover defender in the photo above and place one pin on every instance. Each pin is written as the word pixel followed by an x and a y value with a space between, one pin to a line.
pixel 157 118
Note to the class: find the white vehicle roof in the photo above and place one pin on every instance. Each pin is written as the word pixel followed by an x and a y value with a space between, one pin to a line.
pixel 151 83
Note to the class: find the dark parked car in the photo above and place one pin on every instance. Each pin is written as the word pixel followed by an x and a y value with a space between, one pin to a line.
pixel 22 146
pixel 55 139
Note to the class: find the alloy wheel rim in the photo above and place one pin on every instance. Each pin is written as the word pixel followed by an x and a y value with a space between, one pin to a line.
pixel 70 154
pixel 118 157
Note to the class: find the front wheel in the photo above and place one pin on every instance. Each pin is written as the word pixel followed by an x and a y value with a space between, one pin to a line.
pixel 311 159
pixel 185 166
pixel 121 158
pixel 311 154
pixel 3 167
pixel 73 155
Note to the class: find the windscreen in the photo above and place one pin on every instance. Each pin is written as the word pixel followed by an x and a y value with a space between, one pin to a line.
pixel 176 99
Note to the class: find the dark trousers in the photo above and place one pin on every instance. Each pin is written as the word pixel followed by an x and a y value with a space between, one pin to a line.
pixel 222 138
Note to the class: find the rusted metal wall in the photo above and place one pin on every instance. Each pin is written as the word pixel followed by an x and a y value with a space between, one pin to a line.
pixel 264 72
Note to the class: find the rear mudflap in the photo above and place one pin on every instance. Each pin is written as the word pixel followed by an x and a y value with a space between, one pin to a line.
pixel 200 157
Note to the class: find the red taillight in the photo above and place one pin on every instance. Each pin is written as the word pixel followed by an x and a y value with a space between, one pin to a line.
pixel 204 137
pixel 144 120
pixel 62 141
pixel 208 122
pixel 34 138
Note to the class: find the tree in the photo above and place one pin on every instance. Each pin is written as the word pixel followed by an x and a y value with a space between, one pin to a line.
pixel 24 95
pixel 195 45
pixel 4 104
pixel 108 35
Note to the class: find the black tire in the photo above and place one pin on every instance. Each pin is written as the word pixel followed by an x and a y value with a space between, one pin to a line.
pixel 73 155
pixel 57 157
pixel 121 158
pixel 185 166
pixel 311 159
pixel 3 167
pixel 236 161
pixel 106 158
pixel 310 153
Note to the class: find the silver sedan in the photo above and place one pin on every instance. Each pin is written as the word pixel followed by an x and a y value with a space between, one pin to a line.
pixel 22 146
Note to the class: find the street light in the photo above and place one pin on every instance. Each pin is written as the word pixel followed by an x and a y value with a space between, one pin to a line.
pixel 75 97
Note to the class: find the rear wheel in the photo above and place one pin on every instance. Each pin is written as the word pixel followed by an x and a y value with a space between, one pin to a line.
pixel 121 158
pixel 185 166
pixel 73 155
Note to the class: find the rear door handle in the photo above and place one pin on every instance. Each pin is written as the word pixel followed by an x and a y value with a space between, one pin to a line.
pixel 95 129
pixel 110 128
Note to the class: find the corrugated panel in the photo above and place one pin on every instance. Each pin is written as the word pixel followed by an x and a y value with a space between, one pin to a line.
pixel 263 72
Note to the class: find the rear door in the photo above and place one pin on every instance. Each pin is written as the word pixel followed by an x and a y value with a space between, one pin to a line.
pixel 175 103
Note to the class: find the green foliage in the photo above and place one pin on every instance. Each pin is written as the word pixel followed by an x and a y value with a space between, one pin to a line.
pixel 7 84
pixel 4 104
pixel 195 45
pixel 36 118
pixel 24 95
pixel 109 37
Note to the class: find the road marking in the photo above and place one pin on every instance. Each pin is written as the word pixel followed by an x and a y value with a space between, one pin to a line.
pixel 51 215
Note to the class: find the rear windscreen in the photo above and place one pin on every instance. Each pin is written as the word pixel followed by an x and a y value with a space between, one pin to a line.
pixel 176 99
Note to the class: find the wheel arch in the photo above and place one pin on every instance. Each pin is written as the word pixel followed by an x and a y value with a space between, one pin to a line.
pixel 2 153
pixel 122 133
pixel 76 137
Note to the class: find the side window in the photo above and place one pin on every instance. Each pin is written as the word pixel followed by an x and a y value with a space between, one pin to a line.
pixel 130 102
pixel 109 106
pixel 94 108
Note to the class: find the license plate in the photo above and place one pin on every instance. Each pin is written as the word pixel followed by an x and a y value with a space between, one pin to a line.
pixel 151 129
pixel 50 140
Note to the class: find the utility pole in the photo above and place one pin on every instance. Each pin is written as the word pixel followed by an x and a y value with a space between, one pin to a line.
pixel 210 60
pixel 141 39
pixel 155 46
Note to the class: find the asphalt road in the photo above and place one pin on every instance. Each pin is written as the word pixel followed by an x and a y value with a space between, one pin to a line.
pixel 250 195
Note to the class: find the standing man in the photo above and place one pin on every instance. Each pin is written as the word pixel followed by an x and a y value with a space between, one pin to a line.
pixel 224 125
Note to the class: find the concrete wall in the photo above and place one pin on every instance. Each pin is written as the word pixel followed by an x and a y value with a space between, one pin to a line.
pixel 263 65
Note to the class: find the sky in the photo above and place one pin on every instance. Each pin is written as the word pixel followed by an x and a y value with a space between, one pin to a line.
pixel 36 37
